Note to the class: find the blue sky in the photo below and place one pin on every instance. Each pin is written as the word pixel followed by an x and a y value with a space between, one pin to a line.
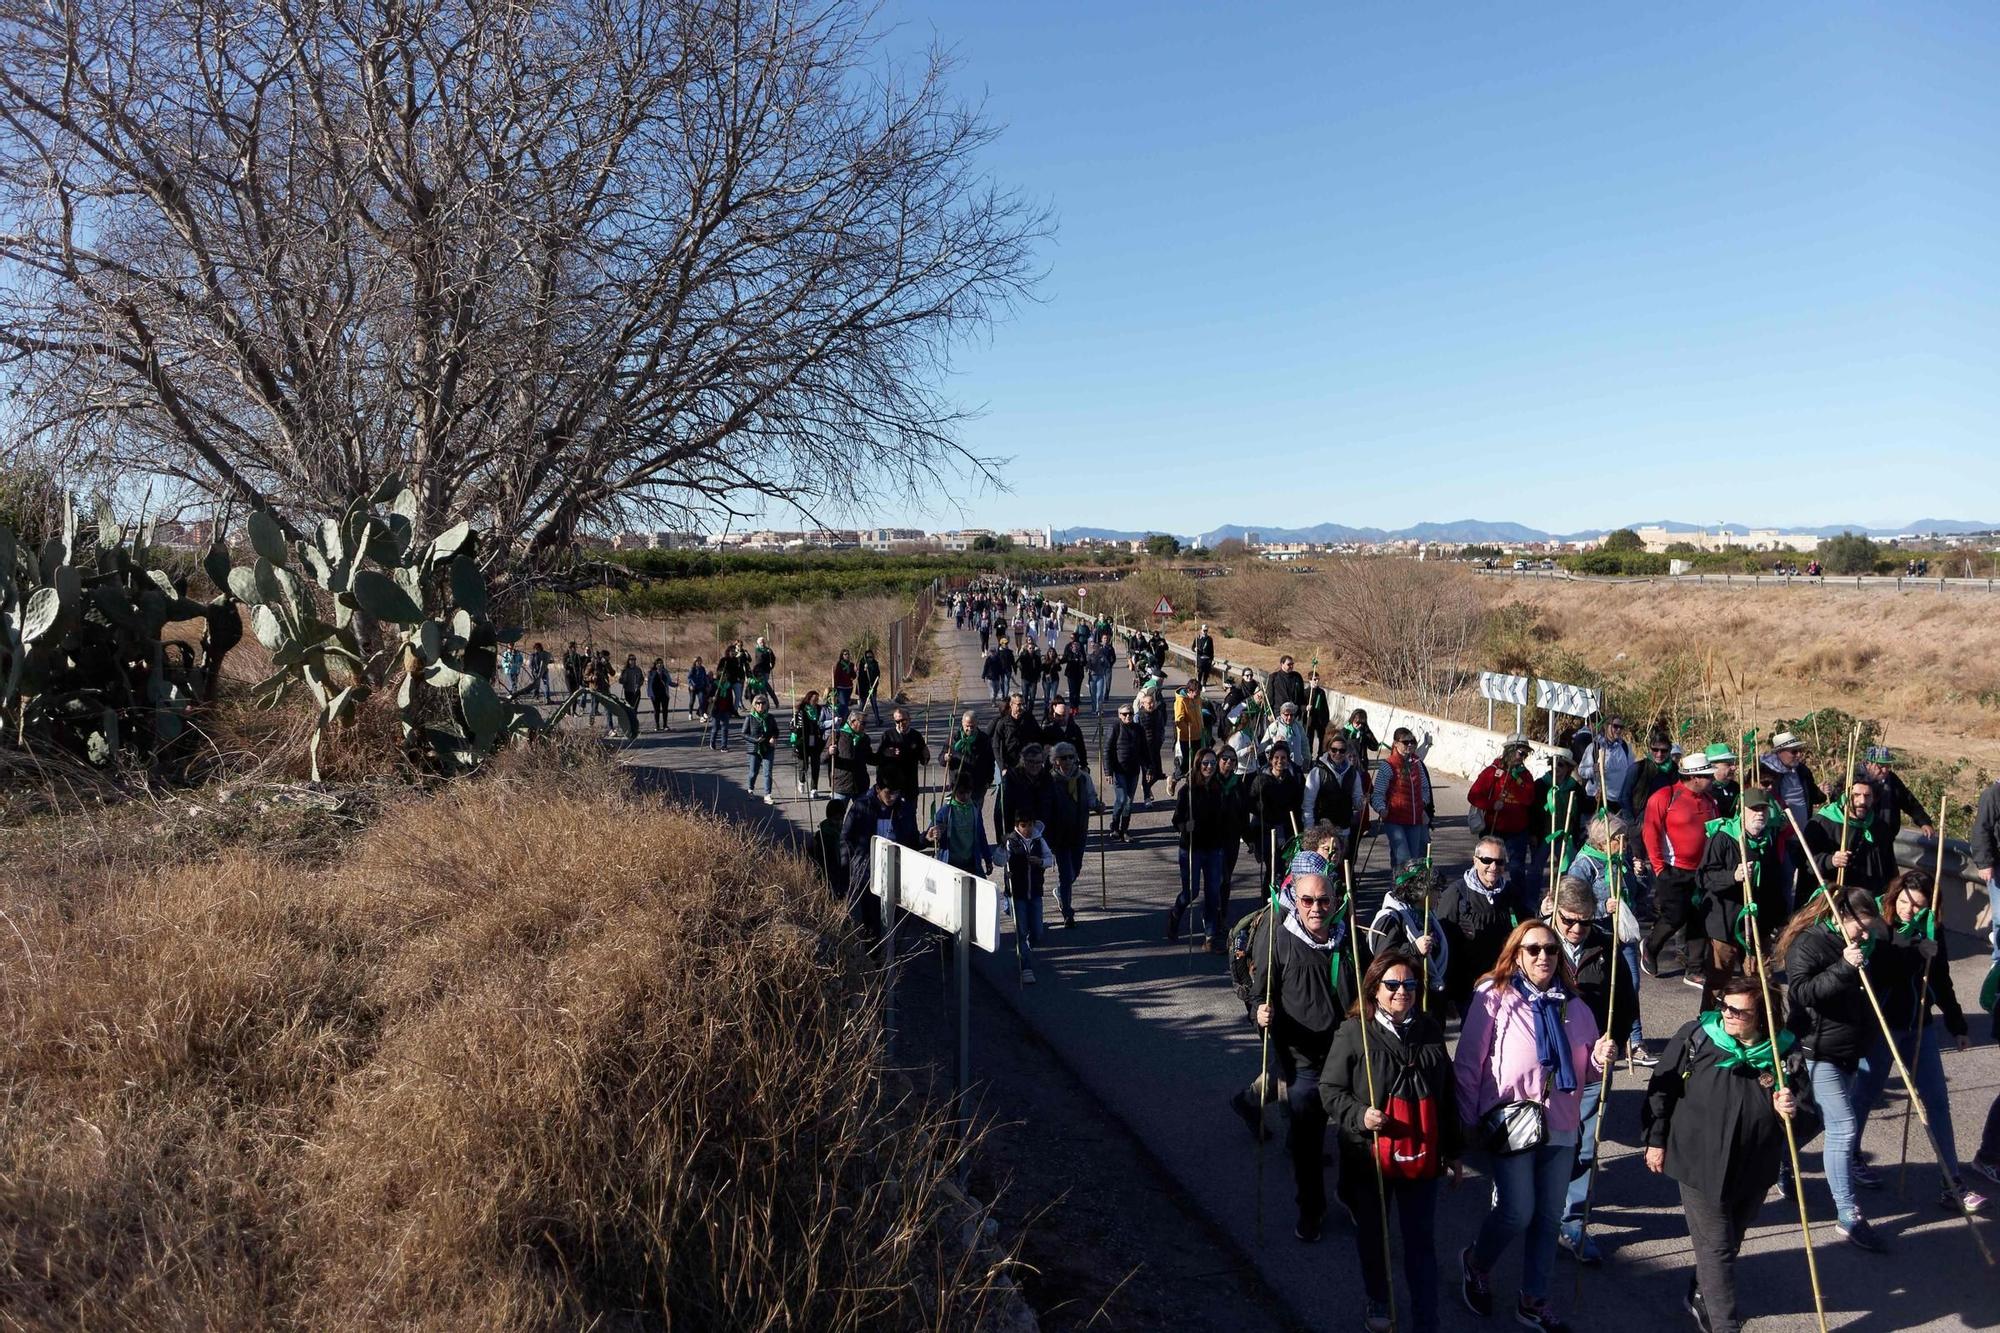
pixel 1564 265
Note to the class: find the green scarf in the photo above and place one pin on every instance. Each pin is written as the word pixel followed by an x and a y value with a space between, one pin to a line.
pixel 1735 1053
pixel 1923 928
pixel 1557 802
pixel 1867 941
pixel 1831 811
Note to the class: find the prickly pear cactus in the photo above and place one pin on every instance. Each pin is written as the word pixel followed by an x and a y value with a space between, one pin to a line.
pixel 396 607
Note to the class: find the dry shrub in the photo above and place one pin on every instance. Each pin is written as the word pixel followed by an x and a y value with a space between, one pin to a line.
pixel 1261 600
pixel 535 1054
pixel 1407 624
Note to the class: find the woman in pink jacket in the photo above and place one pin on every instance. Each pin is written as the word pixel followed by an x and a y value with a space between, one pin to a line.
pixel 1527 1048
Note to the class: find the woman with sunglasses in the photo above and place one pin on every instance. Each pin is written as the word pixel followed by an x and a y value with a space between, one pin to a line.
pixel 1926 966
pixel 1713 1121
pixel 1607 843
pixel 1528 1040
pixel 1394 1099
pixel 1202 823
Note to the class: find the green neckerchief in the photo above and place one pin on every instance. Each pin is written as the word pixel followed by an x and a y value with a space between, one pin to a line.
pixel 1832 811
pixel 1923 928
pixel 1558 830
pixel 849 728
pixel 1733 826
pixel 1735 1053
pixel 962 744
pixel 1230 780
pixel 1867 941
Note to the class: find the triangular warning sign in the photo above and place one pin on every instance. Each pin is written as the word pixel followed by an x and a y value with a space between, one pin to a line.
pixel 1165 608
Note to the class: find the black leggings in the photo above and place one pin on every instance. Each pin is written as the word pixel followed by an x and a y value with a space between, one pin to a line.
pixel 809 767
pixel 659 712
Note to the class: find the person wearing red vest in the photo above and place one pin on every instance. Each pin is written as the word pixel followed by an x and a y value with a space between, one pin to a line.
pixel 1402 799
pixel 1504 794
pixel 1676 832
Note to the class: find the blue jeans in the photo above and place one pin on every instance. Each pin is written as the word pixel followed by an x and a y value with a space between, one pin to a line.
pixel 1048 690
pixel 1069 864
pixel 1833 1090
pixel 1407 842
pixel 1628 957
pixel 842 697
pixel 1531 1186
pixel 1527 895
pixel 1201 878
pixel 1926 1071
pixel 759 763
pixel 1028 929
pixel 1100 694
pixel 1586 1149
pixel 1121 800
pixel 718 732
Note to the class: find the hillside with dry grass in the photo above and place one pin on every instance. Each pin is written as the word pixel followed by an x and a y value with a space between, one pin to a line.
pixel 532 1053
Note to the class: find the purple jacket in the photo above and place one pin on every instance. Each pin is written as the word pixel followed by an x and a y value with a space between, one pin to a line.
pixel 1496 1057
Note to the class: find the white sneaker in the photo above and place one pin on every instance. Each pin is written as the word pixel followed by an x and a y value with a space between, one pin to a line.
pixel 1027 976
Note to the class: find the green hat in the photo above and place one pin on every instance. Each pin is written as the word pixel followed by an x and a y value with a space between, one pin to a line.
pixel 1720 753
pixel 1756 799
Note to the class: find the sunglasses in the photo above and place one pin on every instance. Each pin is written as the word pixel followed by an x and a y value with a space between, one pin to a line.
pixel 1743 1013
pixel 1489 860
pixel 1315 902
pixel 1537 950
pixel 1569 922
pixel 1336 749
pixel 1393 986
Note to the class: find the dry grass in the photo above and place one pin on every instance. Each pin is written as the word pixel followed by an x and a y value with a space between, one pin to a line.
pixel 1927 665
pixel 531 1054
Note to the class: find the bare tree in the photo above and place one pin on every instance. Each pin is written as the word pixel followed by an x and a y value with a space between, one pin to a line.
pixel 1410 625
pixel 561 263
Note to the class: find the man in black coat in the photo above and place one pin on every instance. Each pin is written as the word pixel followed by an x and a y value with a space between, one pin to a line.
pixel 1204 657
pixel 1865 853
pixel 1476 912
pixel 1286 686
pixel 1061 726
pixel 1074 663
pixel 968 759
pixel 881 813
pixel 901 754
pixel 1124 765
pixel 1024 788
pixel 1893 797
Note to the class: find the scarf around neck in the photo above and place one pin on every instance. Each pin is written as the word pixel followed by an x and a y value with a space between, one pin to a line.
pixel 1833 814
pixel 1735 1053
pixel 1551 1044
pixel 1329 946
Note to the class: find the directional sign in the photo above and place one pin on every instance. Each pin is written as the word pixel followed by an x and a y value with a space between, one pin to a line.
pixel 1569 700
pixel 1502 688
pixel 1165 608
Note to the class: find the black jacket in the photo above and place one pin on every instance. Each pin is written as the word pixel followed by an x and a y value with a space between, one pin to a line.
pixel 808 735
pixel 1475 926
pixel 1272 807
pixel 1593 985
pixel 1306 1005
pixel 857 838
pixel 1072 662
pixel 1125 751
pixel 1053 733
pixel 1986 828
pixel 1871 856
pixel 1902 996
pixel 1071 801
pixel 1018 792
pixel 1202 818
pixel 972 762
pixel 1011 735
pixel 1826 1007
pixel 1893 800
pixel 1204 648
pixel 1722 896
pixel 1416 1061
pixel 1286 687
pixel 900 758
pixel 852 756
pixel 1722 1135
pixel 1153 722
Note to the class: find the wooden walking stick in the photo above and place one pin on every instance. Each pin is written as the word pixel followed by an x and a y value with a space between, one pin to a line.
pixel 1264 1069
pixel 1103 893
pixel 1604 1093
pixel 1368 1069
pixel 1952 1187
pixel 1924 988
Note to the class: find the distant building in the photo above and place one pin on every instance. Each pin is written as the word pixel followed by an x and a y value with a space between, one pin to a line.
pixel 1657 540
pixel 962 539
pixel 1033 539
pixel 890 539
pixel 676 541
pixel 197 536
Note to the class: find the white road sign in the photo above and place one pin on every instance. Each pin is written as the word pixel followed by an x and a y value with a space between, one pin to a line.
pixel 1503 689
pixel 930 888
pixel 1569 700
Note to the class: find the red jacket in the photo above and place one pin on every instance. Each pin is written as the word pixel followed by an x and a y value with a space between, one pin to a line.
pixel 1677 827
pixel 1508 798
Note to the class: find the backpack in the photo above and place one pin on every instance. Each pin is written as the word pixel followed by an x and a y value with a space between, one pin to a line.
pixel 1242 966
pixel 1408 1144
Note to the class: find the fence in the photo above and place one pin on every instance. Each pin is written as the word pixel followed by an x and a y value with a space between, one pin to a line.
pixel 906 638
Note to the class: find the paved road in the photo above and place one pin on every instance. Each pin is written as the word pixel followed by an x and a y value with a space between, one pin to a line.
pixel 1160 1038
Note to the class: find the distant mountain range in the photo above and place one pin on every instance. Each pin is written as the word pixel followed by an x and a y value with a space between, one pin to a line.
pixel 1473 530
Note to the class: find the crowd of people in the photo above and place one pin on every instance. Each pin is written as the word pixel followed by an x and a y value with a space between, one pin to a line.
pixel 1477 1009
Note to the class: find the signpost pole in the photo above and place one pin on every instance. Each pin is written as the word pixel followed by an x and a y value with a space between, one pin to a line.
pixel 890 868
pixel 965 897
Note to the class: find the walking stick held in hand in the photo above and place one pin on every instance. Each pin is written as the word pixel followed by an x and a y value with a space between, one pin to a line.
pixel 1952 1187
pixel 1924 986
pixel 1604 1093
pixel 1368 1069
pixel 1264 1069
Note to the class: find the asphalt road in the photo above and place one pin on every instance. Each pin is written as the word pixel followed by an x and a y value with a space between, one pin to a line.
pixel 1159 1037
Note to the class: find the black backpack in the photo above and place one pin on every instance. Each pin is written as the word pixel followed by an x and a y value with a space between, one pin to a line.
pixel 1242 965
